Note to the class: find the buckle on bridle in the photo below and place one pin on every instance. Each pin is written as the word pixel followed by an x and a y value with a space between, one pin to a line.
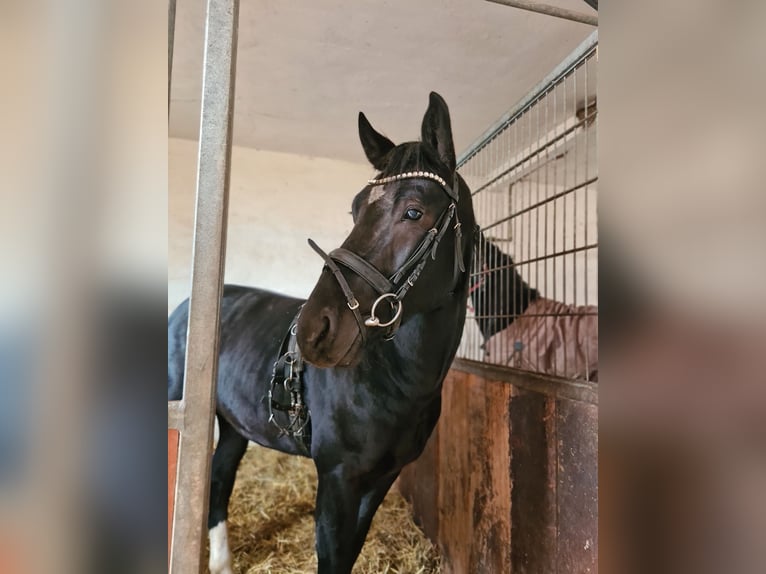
pixel 353 304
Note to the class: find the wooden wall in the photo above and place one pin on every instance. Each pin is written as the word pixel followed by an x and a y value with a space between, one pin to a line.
pixel 508 481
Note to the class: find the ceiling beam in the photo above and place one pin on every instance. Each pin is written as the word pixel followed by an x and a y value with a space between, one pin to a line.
pixel 549 10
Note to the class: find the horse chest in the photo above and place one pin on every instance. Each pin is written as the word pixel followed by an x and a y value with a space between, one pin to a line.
pixel 372 427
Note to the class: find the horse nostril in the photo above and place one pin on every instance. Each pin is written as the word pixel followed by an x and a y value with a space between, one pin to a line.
pixel 322 331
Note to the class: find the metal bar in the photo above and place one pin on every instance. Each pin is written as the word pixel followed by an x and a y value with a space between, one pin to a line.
pixel 171 43
pixel 528 185
pixel 543 202
pixel 580 53
pixel 575 275
pixel 547 168
pixel 537 228
pixel 570 251
pixel 549 10
pixel 564 314
pixel 536 152
pixel 556 89
pixel 176 415
pixel 564 236
pixel 512 224
pixel 193 486
pixel 587 192
pixel 517 230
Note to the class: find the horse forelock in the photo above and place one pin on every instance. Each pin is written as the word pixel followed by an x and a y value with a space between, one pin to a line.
pixel 415 156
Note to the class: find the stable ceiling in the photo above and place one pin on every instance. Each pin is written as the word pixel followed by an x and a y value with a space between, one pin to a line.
pixel 305 68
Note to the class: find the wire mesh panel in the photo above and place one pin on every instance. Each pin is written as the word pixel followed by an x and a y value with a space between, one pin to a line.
pixel 534 177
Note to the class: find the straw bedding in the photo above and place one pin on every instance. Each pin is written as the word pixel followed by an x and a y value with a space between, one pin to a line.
pixel 271 523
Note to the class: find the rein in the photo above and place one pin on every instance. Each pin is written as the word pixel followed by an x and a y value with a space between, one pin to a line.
pixel 393 289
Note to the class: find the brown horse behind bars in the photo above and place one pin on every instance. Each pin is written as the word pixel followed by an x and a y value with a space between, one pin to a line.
pixel 524 330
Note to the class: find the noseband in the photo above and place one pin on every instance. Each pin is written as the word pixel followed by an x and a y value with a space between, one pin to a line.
pixel 394 288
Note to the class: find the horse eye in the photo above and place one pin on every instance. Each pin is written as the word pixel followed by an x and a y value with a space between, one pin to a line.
pixel 413 214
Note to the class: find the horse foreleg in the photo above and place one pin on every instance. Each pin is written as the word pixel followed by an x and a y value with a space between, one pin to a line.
pixel 370 501
pixel 337 509
pixel 228 453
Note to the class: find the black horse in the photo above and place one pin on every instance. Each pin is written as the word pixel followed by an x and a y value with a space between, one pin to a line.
pixel 377 334
pixel 498 292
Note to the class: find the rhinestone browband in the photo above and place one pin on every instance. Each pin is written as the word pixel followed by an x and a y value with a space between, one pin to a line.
pixel 408 175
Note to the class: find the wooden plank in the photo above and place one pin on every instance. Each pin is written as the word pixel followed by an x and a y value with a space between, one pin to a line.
pixel 454 502
pixel 577 487
pixel 508 481
pixel 419 484
pixel 490 486
pixel 544 384
pixel 550 422
pixel 478 460
pixel 533 512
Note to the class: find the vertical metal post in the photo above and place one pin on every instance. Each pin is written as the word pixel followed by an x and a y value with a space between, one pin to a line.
pixel 171 43
pixel 198 405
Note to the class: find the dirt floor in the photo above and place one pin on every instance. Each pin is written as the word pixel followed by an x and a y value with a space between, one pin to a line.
pixel 271 523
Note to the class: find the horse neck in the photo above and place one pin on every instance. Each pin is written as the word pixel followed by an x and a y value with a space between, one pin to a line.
pixel 418 357
pixel 520 294
pixel 501 296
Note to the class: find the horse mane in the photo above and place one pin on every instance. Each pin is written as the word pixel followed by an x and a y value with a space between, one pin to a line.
pixel 503 294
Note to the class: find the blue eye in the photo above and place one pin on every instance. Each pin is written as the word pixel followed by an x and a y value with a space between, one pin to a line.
pixel 413 214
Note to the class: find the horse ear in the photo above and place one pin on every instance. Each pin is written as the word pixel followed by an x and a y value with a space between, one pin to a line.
pixel 376 146
pixel 437 130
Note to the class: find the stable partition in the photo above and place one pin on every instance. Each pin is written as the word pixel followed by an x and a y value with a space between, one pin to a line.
pixel 508 481
pixel 534 182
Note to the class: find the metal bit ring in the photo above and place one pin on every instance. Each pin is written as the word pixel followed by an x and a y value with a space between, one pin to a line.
pixel 373 321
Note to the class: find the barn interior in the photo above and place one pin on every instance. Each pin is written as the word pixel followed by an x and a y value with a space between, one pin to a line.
pixel 304 71
pixel 513 443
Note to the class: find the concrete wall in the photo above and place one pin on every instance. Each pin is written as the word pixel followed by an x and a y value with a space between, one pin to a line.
pixel 276 201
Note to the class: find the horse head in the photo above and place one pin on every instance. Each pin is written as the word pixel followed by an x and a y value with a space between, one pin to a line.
pixel 498 292
pixel 406 253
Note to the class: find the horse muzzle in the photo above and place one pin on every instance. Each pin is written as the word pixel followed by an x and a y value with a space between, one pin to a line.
pixel 327 334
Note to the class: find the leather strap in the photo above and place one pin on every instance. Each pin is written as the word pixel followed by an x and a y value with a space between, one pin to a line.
pixel 419 253
pixel 351 301
pixel 430 242
pixel 286 391
pixel 413 265
pixel 363 268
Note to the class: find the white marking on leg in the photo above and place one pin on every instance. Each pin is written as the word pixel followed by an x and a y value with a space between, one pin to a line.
pixel 220 557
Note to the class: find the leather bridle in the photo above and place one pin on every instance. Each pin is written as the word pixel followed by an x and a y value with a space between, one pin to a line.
pixel 394 288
